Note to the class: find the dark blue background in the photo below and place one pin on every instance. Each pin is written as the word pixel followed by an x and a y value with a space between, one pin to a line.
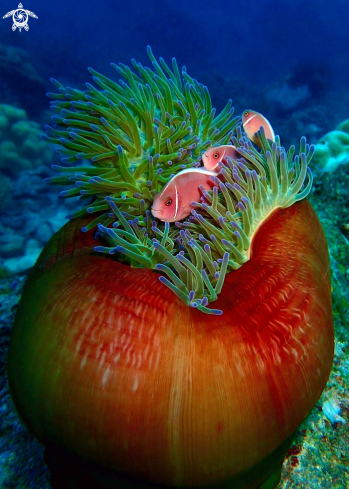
pixel 237 48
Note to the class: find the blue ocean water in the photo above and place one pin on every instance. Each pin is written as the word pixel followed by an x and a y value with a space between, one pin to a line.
pixel 259 46
pixel 287 60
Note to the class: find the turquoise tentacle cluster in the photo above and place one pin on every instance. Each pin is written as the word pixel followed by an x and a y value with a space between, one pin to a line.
pixel 137 134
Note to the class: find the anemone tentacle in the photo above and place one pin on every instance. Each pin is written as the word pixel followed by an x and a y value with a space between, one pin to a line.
pixel 216 238
pixel 137 135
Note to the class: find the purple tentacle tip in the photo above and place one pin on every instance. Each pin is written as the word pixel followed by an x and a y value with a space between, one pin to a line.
pixel 191 295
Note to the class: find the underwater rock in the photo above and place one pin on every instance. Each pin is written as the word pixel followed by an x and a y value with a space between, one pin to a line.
pixel 331 410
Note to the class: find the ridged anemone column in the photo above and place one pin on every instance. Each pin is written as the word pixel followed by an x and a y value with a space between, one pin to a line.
pixel 107 364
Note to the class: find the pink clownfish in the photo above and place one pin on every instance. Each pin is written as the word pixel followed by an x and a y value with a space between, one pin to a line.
pixel 252 121
pixel 173 203
pixel 214 155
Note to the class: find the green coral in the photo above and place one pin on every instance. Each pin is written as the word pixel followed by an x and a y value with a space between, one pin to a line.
pixel 332 149
pixel 137 135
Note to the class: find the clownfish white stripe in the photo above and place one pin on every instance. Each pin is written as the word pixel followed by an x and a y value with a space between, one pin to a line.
pixel 175 214
pixel 216 154
pixel 174 202
pixel 252 127
pixel 165 187
pixel 249 119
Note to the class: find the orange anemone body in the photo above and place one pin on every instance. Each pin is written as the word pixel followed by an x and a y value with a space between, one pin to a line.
pixel 110 365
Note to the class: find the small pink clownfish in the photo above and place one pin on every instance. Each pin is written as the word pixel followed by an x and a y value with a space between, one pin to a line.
pixel 252 121
pixel 214 155
pixel 173 203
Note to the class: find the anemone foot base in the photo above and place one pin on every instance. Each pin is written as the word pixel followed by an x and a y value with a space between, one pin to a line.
pixel 71 472
pixel 109 365
pixel 273 480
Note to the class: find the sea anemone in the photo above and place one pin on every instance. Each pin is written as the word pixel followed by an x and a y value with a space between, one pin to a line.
pixel 109 367
pixel 138 136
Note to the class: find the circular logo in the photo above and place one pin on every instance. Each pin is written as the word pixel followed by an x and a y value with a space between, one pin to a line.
pixel 20 18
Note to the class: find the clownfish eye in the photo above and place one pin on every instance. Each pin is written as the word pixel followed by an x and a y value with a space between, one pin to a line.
pixel 246 113
pixel 168 201
pixel 215 155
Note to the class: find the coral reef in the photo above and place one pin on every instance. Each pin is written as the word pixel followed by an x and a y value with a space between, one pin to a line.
pixel 30 215
pixel 29 210
pixel 332 150
pixel 20 84
pixel 6 193
pixel 21 147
